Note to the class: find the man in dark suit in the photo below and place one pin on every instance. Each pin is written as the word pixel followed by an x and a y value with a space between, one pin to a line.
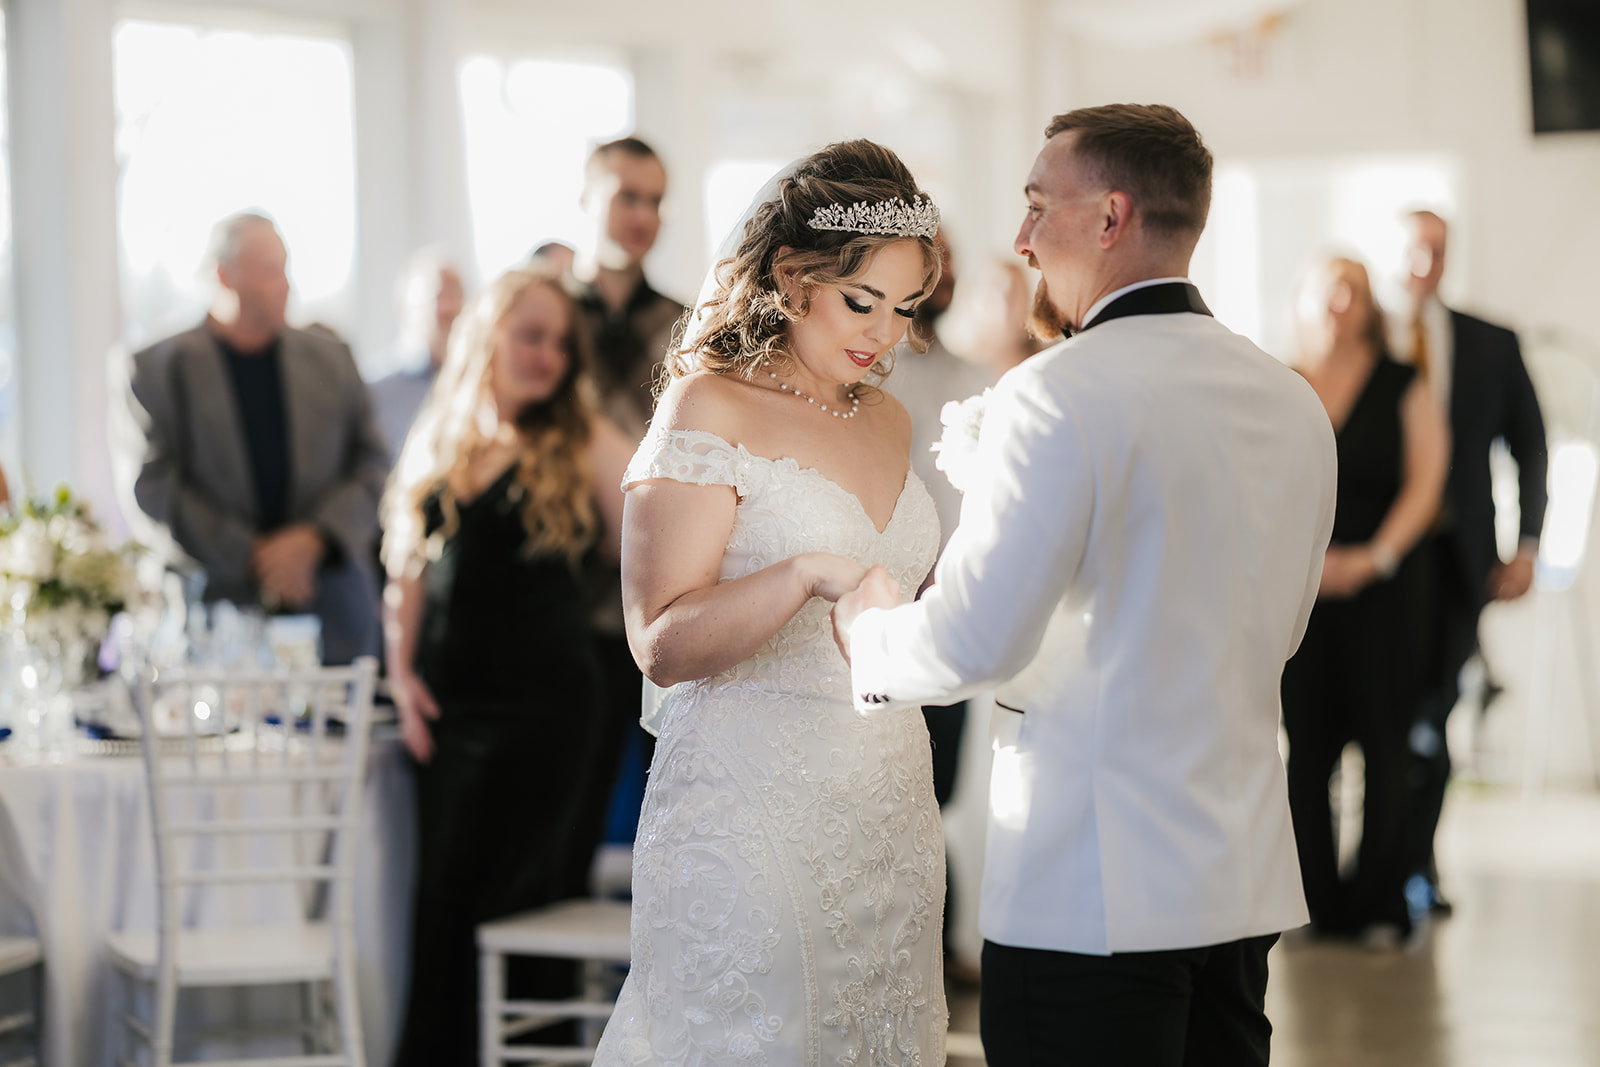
pixel 253 451
pixel 1477 375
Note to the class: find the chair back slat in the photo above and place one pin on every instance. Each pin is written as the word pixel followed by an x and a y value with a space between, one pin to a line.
pixel 246 777
pixel 252 827
pixel 259 755
pixel 260 875
pixel 189 721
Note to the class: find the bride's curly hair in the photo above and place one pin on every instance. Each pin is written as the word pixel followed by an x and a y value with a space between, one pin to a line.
pixel 747 321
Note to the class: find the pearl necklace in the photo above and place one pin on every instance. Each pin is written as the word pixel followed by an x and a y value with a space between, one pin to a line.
pixel 855 401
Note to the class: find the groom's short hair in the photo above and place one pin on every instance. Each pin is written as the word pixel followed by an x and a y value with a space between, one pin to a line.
pixel 1150 152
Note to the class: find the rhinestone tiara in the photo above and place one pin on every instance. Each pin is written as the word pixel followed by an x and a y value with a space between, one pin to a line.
pixel 920 218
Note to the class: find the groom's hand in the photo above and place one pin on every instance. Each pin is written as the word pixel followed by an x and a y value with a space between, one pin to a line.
pixel 877 590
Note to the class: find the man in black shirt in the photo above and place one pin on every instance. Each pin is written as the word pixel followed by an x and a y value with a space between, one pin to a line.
pixel 631 323
pixel 631 326
pixel 256 453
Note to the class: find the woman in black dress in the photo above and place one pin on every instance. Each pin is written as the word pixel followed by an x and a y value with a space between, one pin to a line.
pixel 506 481
pixel 1356 674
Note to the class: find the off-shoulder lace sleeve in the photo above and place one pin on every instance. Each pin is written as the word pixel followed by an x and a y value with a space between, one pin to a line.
pixel 696 457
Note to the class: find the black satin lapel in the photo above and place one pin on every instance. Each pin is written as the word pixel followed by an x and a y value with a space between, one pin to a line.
pixel 1168 298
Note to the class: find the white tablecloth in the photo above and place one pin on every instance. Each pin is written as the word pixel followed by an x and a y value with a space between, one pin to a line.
pixel 76 863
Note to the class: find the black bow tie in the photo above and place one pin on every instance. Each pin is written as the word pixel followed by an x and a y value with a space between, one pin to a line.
pixel 1168 298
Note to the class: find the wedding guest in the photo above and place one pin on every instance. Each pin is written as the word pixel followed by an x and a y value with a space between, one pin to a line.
pixel 554 256
pixel 1357 676
pixel 991 326
pixel 1475 371
pixel 428 297
pixel 629 325
pixel 507 480
pixel 629 322
pixel 924 382
pixel 254 451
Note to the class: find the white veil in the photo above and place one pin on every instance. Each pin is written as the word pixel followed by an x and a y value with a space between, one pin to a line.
pixel 730 245
pixel 655 700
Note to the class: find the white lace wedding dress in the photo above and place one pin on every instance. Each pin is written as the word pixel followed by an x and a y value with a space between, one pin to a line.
pixel 788 874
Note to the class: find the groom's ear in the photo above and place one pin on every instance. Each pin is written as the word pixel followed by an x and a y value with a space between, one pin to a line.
pixel 1116 218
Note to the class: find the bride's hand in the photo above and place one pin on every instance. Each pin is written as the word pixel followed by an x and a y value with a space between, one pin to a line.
pixel 877 590
pixel 829 576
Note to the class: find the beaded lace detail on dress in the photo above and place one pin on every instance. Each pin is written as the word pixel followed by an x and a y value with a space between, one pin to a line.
pixel 788 872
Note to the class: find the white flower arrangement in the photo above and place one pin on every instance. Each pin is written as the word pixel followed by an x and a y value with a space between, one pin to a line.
pixel 957 448
pixel 60 577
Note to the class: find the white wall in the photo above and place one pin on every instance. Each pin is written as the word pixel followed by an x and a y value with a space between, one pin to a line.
pixel 1406 77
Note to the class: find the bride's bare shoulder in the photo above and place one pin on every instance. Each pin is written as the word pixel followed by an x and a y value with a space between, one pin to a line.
pixel 892 415
pixel 702 400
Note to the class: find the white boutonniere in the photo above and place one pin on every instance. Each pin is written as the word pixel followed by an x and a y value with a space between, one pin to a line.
pixel 957 449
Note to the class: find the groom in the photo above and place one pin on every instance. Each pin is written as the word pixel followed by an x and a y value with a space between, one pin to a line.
pixel 1136 566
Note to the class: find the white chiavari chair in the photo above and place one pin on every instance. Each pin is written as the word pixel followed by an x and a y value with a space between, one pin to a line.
pixel 242 765
pixel 594 932
pixel 20 956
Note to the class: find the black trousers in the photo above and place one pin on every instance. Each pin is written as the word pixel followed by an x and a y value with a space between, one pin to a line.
pixel 945 725
pixel 1192 1007
pixel 1355 678
pixel 1452 638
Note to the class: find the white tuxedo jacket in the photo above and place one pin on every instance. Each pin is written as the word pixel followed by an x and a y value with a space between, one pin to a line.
pixel 1136 566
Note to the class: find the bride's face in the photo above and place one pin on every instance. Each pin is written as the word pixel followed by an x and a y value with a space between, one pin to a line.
pixel 850 326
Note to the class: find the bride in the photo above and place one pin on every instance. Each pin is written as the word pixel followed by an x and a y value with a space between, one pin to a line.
pixel 788 877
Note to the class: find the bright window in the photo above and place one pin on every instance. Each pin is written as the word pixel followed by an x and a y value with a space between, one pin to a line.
pixel 529 127
pixel 210 122
pixel 730 185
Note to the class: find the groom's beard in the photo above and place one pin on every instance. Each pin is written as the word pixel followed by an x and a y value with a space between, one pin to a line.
pixel 1045 321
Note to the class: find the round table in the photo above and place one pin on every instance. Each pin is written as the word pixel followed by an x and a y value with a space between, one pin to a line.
pixel 76 863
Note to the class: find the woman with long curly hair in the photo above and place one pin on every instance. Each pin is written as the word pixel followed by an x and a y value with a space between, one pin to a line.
pixel 506 481
pixel 788 877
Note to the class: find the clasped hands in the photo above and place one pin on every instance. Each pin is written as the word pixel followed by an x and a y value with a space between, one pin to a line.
pixel 873 589
pixel 285 562
pixel 1348 569
pixel 1508 581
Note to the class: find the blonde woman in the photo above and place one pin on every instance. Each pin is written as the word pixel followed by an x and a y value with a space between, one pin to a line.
pixel 1357 676
pixel 505 482
pixel 788 878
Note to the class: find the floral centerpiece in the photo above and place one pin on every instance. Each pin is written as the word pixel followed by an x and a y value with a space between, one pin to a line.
pixel 61 578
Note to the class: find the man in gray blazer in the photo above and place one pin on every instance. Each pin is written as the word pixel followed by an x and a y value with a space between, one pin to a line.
pixel 258 456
